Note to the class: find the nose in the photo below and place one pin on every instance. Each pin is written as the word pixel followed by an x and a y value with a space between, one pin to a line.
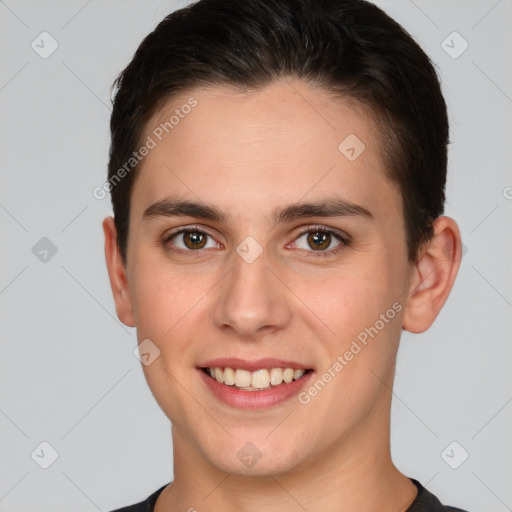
pixel 252 300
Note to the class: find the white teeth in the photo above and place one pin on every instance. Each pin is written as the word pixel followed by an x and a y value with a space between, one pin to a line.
pixel 276 376
pixel 219 375
pixel 242 378
pixel 297 374
pixel 288 375
pixel 229 376
pixel 259 379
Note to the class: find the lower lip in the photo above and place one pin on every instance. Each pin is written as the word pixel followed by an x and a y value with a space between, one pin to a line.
pixel 255 399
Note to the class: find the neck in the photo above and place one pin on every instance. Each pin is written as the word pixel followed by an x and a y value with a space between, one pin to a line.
pixel 355 474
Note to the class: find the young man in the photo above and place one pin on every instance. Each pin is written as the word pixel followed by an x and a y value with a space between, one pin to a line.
pixel 277 173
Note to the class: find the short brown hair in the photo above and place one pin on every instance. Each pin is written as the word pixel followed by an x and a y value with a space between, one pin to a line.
pixel 348 47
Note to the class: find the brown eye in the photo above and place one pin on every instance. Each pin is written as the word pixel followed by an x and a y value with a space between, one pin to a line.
pixel 194 239
pixel 319 240
pixel 190 240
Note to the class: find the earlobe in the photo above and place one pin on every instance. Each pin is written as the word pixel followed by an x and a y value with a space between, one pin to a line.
pixel 433 276
pixel 117 274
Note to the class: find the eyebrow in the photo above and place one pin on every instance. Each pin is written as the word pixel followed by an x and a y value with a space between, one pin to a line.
pixel 170 207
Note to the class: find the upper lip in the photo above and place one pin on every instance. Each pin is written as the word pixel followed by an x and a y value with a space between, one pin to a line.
pixel 256 364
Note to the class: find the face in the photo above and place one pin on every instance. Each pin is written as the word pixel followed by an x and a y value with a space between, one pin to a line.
pixel 320 288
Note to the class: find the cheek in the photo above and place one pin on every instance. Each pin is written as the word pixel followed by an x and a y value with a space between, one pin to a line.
pixel 160 299
pixel 365 314
pixel 166 308
pixel 349 298
pixel 361 306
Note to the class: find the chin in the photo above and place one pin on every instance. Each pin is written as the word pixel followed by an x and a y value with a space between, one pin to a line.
pixel 257 459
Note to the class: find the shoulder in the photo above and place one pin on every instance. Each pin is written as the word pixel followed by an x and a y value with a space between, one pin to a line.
pixel 146 505
pixel 425 501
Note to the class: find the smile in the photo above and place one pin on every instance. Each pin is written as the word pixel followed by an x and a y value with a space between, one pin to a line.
pixel 258 389
pixel 258 380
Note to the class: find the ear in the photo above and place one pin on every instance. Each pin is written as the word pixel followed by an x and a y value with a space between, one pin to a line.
pixel 117 274
pixel 433 276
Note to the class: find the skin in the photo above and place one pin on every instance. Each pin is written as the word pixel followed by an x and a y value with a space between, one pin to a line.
pixel 249 153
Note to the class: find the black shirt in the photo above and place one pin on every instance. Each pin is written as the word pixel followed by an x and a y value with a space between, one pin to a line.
pixel 424 502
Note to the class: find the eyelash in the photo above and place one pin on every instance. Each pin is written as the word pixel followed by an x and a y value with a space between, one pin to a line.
pixel 344 240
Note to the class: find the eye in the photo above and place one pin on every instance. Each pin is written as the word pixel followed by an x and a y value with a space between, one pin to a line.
pixel 321 240
pixel 189 239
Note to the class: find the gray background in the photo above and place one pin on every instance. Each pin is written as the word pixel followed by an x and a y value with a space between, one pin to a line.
pixel 68 375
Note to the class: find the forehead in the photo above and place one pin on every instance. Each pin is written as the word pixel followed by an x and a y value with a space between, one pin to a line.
pixel 256 149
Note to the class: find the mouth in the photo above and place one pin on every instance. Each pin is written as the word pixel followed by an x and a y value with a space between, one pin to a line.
pixel 261 379
pixel 254 384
